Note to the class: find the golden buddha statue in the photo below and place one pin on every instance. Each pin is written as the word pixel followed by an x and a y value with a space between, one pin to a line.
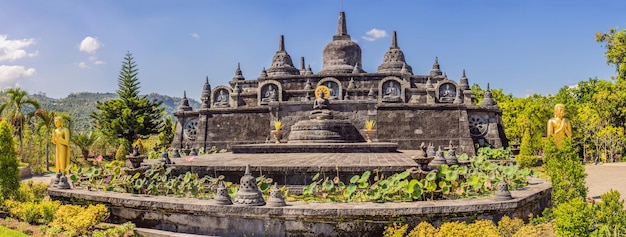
pixel 559 127
pixel 61 138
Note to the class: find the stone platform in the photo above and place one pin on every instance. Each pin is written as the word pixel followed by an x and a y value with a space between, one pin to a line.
pixel 293 168
pixel 361 147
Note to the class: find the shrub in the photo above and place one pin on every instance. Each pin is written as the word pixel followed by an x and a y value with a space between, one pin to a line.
pixel 423 229
pixel 610 214
pixel 573 218
pixel 566 172
pixel 76 220
pixel 507 227
pixel 9 173
pixel 540 230
pixel 452 229
pixel 120 154
pixel 34 213
pixel 484 228
pixel 31 192
pixel 526 160
pixel 395 230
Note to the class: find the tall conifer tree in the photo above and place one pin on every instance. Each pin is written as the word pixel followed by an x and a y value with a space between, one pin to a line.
pixel 130 116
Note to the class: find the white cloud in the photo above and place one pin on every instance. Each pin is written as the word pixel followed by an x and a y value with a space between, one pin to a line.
pixel 83 65
pixel 98 62
pixel 374 34
pixel 90 44
pixel 9 75
pixel 11 50
pixel 195 35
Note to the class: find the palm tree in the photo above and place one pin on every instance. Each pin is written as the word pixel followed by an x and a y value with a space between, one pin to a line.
pixel 84 141
pixel 17 99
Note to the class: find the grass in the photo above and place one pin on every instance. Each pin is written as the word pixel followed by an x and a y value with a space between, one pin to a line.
pixel 6 232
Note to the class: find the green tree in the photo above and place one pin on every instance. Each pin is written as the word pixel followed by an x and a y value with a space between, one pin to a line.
pixel 615 43
pixel 130 116
pixel 84 141
pixel 573 218
pixel 167 132
pixel 13 108
pixel 609 214
pixel 10 176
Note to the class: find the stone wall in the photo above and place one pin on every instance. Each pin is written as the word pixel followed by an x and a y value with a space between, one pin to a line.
pixel 301 219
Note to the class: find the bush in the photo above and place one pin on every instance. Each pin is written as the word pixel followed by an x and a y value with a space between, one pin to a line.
pixel 573 218
pixel 540 230
pixel 566 172
pixel 9 173
pixel 423 229
pixel 610 214
pixel 121 152
pixel 31 192
pixel 484 228
pixel 395 230
pixel 526 160
pixel 452 229
pixel 31 212
pixel 76 220
pixel 507 227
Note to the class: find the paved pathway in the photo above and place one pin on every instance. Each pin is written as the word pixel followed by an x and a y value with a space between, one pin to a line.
pixel 603 177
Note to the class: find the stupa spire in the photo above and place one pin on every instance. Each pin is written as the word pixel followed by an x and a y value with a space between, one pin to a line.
pixel 394 41
pixel 342 28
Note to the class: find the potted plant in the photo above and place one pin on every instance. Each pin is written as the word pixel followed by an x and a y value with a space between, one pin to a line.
pixel 370 131
pixel 277 133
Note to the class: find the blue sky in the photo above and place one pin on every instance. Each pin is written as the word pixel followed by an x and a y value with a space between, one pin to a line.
pixel 64 46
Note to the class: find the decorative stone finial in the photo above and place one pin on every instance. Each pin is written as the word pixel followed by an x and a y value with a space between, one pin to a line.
pixel 351 84
pixel 342 27
pixel 222 197
pixel 502 193
pixel 263 74
pixel 429 83
pixel 464 84
pixel 176 154
pixel 436 71
pixel 430 150
pixel 308 85
pixel 184 104
pixel 393 61
pixel 451 158
pixel 276 197
pixel 356 70
pixel 238 74
pixel 248 193
pixel 308 71
pixel 439 160
pixel 394 41
pixel 206 94
pixel 281 63
pixel 371 95
pixel 488 99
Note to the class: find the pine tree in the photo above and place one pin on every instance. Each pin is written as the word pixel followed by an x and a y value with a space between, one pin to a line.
pixel 131 116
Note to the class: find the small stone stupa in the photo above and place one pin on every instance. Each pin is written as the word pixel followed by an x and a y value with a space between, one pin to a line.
pixel 276 197
pixel 248 193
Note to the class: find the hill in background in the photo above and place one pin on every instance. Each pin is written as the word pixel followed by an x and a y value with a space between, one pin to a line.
pixel 80 105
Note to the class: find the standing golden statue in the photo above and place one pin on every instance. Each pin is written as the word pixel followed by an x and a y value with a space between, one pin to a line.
pixel 61 138
pixel 559 127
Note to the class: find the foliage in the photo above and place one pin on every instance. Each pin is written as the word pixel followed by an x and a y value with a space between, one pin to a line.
pixel 370 124
pixel 494 153
pixel 526 157
pixel 423 229
pixel 33 212
pixel 507 227
pixel 121 153
pixel 166 136
pixel 609 215
pixel 9 173
pixel 131 116
pixel 124 230
pixel 278 125
pixel 484 228
pixel 566 171
pixel 13 108
pixel 615 43
pixel 573 218
pixel 31 192
pixel 77 220
pixel 4 231
pixel 84 141
pixel 448 182
pixel 395 230
pixel 539 230
pixel 452 229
